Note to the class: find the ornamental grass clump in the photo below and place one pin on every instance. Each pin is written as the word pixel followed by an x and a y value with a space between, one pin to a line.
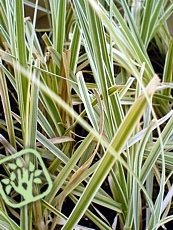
pixel 91 71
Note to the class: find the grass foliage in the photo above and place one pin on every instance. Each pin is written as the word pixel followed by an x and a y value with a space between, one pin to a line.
pixel 112 62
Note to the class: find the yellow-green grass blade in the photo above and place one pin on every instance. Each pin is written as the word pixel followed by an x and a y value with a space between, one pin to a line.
pixel 87 101
pixel 70 165
pixel 6 107
pixel 167 74
pixel 58 10
pixel 108 160
pixel 6 220
pixel 75 48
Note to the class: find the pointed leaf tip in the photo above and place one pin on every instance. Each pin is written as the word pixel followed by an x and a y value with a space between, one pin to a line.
pixel 152 85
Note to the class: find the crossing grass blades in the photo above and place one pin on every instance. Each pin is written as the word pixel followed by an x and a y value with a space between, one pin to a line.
pixel 124 107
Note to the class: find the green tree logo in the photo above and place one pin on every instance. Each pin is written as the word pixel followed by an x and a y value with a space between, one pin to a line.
pixel 22 178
